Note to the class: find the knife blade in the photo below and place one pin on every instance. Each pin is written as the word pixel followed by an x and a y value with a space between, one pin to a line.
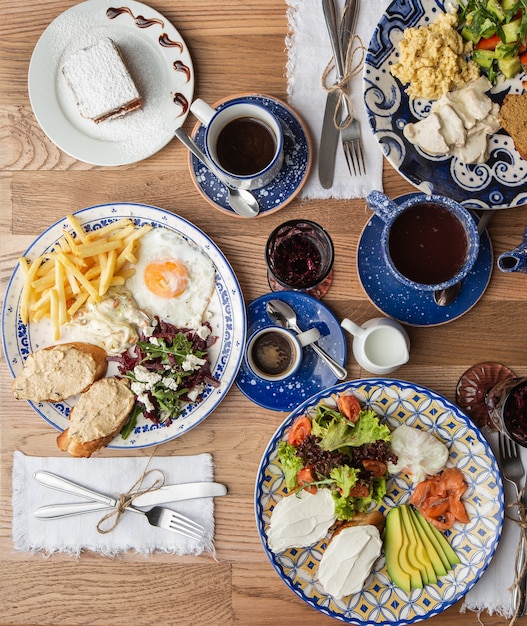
pixel 330 133
pixel 99 502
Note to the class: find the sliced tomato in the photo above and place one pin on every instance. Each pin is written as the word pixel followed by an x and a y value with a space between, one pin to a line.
pixel 304 477
pixel 489 43
pixel 523 59
pixel 299 430
pixel 349 406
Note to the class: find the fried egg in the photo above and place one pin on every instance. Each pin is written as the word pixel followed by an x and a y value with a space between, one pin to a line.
pixel 173 279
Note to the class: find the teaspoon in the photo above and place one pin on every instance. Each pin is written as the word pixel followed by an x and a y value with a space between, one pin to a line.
pixel 241 201
pixel 444 297
pixel 283 315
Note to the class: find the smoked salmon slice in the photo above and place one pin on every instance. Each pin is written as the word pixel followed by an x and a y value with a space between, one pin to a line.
pixel 438 498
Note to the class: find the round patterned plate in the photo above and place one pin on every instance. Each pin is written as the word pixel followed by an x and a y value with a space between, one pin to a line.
pixel 380 601
pixel 498 183
pixel 226 308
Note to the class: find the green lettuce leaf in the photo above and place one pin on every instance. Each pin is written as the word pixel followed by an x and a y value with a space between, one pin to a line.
pixel 291 463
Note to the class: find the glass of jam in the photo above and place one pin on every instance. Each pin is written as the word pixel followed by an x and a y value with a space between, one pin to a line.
pixel 299 256
pixel 494 397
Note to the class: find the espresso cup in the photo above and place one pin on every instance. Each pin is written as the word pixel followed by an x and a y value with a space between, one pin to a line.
pixel 274 353
pixel 380 345
pixel 244 141
pixel 427 242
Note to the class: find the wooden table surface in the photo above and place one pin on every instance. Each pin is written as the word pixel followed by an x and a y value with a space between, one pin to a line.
pixel 236 45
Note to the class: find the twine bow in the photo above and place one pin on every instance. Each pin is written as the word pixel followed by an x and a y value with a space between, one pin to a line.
pixel 353 62
pixel 125 500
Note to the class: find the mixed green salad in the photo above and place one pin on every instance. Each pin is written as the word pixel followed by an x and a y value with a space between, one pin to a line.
pixel 344 449
pixel 498 31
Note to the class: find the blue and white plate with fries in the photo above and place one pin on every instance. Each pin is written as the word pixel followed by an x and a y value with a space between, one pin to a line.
pixel 226 314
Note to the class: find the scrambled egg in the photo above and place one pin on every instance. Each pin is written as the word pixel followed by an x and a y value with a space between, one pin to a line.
pixel 433 59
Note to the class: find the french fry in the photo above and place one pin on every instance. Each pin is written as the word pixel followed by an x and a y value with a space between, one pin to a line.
pixel 81 267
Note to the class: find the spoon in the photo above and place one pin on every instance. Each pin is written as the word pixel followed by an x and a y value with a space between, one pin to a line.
pixel 283 315
pixel 241 201
pixel 444 297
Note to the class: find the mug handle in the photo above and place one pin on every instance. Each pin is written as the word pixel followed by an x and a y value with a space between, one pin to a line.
pixel 381 205
pixel 203 111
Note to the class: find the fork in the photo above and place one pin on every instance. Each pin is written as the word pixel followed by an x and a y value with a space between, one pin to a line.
pixel 513 471
pixel 170 520
pixel 157 516
pixel 350 134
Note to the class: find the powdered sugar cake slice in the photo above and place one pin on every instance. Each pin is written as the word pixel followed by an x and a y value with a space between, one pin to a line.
pixel 101 82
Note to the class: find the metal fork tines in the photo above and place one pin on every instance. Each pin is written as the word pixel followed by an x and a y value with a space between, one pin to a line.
pixel 514 472
pixel 351 142
pixel 170 520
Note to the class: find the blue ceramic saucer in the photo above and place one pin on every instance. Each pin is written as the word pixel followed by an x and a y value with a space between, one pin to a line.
pixel 298 156
pixel 410 306
pixel 314 375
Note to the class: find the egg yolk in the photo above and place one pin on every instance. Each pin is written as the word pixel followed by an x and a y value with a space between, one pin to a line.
pixel 166 279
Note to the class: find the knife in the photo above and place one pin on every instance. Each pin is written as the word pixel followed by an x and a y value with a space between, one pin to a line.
pixel 330 133
pixel 99 502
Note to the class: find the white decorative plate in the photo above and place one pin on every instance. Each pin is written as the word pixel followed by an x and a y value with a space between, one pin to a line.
pixel 227 317
pixel 157 58
pixel 380 601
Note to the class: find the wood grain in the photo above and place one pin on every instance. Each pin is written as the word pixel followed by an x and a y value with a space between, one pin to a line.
pixel 236 46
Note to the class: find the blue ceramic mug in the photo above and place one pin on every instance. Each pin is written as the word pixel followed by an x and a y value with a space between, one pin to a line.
pixel 429 242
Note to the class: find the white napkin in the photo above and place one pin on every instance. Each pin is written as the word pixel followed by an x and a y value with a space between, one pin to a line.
pixel 492 591
pixel 110 476
pixel 309 50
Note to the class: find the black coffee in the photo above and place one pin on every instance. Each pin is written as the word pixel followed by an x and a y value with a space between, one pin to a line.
pixel 272 353
pixel 428 243
pixel 245 146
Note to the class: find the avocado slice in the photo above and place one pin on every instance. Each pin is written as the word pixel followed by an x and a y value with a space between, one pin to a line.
pixel 427 529
pixel 447 548
pixel 429 547
pixel 396 544
pixel 424 551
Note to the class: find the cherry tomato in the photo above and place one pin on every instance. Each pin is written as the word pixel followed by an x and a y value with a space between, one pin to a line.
pixel 349 406
pixel 299 430
pixel 305 477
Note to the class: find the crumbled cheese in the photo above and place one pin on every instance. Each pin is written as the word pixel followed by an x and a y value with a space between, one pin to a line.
pixel 192 362
pixel 195 392
pixel 170 383
pixel 145 376
pixel 203 332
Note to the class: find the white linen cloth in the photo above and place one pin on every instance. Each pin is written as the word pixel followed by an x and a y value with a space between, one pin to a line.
pixel 110 476
pixel 492 591
pixel 309 51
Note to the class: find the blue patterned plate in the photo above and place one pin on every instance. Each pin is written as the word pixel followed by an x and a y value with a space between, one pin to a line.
pixel 298 156
pixel 498 183
pixel 411 306
pixel 380 602
pixel 314 374
pixel 227 317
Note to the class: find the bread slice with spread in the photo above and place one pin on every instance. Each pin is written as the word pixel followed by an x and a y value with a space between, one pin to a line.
pixel 59 372
pixel 99 415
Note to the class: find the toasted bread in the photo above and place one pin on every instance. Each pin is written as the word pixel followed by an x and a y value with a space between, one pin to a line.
pixel 373 518
pixel 58 372
pixel 513 118
pixel 98 416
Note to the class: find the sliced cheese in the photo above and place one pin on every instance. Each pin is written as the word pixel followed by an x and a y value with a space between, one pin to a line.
pixel 301 520
pixel 348 560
